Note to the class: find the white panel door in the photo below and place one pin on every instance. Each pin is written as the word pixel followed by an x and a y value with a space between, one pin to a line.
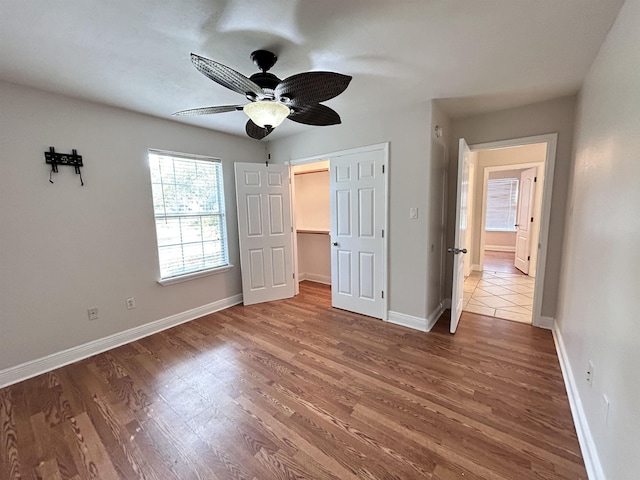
pixel 264 228
pixel 524 219
pixel 358 192
pixel 458 250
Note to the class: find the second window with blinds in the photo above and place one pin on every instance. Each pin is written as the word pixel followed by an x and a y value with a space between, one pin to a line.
pixel 502 204
pixel 189 210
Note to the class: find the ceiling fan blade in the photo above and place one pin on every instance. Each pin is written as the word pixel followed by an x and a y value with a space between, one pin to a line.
pixel 311 87
pixel 319 115
pixel 227 77
pixel 208 110
pixel 254 131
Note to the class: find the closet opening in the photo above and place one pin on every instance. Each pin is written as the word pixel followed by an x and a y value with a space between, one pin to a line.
pixel 312 220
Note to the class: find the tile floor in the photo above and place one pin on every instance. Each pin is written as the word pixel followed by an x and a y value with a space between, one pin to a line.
pixel 499 294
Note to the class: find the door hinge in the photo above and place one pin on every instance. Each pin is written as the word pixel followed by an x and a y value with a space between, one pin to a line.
pixel 532 219
pixel 291 229
pixel 294 275
pixel 529 258
pixel 383 233
pixel 382 168
pixel 382 293
pixel 535 179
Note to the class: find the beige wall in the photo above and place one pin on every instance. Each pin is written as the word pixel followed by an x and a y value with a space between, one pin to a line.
pixel 64 248
pixel 500 241
pixel 556 116
pixel 598 308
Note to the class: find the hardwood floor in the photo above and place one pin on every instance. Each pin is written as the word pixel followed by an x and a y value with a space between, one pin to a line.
pixel 500 262
pixel 297 390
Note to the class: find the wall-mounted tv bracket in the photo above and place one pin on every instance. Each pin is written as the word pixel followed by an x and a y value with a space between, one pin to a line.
pixel 54 158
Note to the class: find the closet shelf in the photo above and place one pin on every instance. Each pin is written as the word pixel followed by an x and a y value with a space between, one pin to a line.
pixel 321 232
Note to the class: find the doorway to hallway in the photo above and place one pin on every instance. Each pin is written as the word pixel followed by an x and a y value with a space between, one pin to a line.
pixel 500 290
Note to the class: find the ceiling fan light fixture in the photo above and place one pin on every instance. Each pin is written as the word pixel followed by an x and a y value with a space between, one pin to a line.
pixel 265 113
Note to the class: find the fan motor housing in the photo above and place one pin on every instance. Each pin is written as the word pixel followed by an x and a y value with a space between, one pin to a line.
pixel 265 80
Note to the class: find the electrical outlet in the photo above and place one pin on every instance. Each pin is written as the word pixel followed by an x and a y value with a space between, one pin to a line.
pixel 131 303
pixel 590 369
pixel 92 313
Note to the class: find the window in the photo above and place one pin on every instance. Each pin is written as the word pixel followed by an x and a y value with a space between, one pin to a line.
pixel 188 203
pixel 502 204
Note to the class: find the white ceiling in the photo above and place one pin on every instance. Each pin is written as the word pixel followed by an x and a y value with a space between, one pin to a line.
pixel 480 55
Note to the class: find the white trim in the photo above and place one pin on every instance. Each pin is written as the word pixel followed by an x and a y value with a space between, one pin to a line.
pixel 499 248
pixel 551 139
pixel 314 277
pixel 21 372
pixel 192 276
pixel 585 439
pixel 409 321
pixel 546 322
pixel 475 268
pixel 446 303
pixel 339 153
pixel 434 316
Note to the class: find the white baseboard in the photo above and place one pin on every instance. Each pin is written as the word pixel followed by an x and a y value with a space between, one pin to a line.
pixel 314 277
pixel 21 372
pixel 435 315
pixel 446 303
pixel 546 322
pixel 476 267
pixel 409 321
pixel 587 445
pixel 500 248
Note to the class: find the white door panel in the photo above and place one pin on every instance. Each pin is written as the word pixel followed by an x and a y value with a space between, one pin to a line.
pixel 358 192
pixel 264 228
pixel 526 196
pixel 459 249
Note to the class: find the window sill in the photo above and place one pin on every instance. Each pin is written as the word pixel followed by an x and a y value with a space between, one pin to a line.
pixel 193 276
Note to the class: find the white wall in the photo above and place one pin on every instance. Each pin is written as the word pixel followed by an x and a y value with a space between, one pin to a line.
pixel 407 130
pixel 555 116
pixel 64 248
pixel 313 209
pixel 314 257
pixel 598 308
pixel 313 212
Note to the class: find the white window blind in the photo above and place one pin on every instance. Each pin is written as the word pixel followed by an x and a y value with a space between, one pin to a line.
pixel 188 203
pixel 502 204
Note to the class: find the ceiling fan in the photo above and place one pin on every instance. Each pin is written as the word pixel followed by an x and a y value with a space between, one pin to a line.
pixel 271 100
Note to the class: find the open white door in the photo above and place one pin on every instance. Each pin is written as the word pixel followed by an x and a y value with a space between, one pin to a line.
pixel 264 228
pixel 358 192
pixel 524 219
pixel 458 249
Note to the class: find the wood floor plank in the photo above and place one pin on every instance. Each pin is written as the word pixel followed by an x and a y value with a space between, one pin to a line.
pixel 295 389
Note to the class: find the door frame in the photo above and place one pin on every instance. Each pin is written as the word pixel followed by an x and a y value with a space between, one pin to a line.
pixel 384 147
pixel 499 168
pixel 551 139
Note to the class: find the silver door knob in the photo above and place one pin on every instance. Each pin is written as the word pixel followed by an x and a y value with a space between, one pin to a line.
pixel 335 244
pixel 456 251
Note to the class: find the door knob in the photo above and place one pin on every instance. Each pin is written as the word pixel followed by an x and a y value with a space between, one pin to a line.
pixel 335 244
pixel 456 251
